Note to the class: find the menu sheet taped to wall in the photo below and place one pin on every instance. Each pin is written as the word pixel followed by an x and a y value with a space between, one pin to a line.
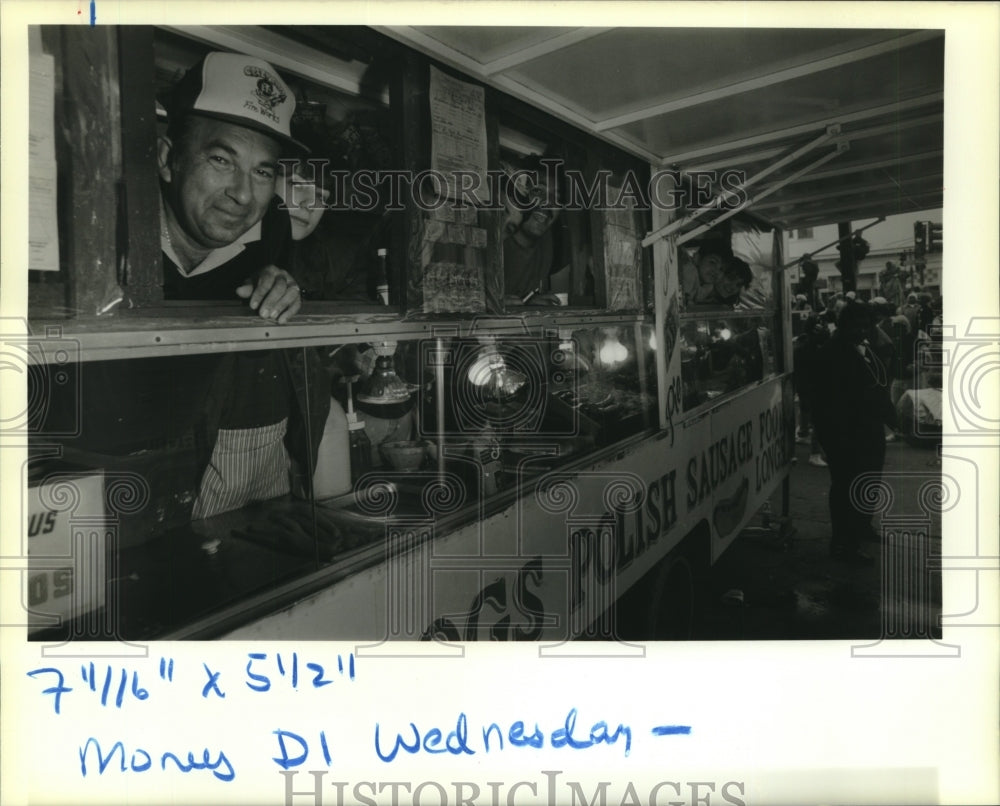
pixel 622 256
pixel 43 237
pixel 458 135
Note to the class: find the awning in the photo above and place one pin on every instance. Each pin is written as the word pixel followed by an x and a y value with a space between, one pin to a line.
pixel 714 99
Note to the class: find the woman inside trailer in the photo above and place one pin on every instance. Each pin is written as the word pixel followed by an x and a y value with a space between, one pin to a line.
pixel 715 277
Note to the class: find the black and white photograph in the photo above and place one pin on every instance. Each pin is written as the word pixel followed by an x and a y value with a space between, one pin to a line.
pixel 350 345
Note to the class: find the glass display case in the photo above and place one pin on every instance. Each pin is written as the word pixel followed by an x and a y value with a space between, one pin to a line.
pixel 218 467
pixel 724 353
pixel 207 523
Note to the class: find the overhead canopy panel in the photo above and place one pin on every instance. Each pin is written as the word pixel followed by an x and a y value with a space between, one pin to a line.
pixel 702 99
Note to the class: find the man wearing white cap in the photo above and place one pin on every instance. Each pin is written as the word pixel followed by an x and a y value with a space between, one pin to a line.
pixel 224 235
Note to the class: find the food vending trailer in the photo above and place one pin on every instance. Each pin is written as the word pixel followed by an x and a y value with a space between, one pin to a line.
pixel 485 459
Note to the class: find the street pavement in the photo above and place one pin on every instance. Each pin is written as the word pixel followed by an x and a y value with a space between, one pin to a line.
pixel 782 584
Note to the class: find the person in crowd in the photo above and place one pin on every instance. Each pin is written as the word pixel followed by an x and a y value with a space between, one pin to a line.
pixel 920 412
pixel 834 304
pixel 808 275
pixel 224 237
pixel 801 314
pixel 911 310
pixel 903 356
pixel 925 314
pixel 805 348
pixel 850 396
pixel 882 342
pixel 829 314
pixel 937 308
pixel 882 311
pixel 531 251
pixel 891 285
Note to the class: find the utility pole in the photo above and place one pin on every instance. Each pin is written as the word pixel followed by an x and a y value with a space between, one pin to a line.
pixel 847 265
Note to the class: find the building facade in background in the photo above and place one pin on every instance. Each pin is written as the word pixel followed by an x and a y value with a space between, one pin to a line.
pixel 892 240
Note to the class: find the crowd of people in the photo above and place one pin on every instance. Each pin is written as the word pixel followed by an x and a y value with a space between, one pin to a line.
pixel 862 380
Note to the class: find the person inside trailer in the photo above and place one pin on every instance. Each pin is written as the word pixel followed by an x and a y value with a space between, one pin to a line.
pixel 531 250
pixel 717 279
pixel 224 236
pixel 327 262
pixel 698 276
pixel 222 233
pixel 736 277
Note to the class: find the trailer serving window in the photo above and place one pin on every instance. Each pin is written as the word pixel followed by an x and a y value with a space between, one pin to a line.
pixel 343 115
pixel 727 347
pixel 133 384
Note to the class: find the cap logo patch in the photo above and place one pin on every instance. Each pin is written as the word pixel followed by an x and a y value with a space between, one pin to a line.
pixel 268 91
pixel 240 90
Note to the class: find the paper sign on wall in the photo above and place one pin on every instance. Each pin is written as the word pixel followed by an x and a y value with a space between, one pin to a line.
pixel 458 135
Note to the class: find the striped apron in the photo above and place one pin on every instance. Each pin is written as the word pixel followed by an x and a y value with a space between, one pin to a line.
pixel 247 464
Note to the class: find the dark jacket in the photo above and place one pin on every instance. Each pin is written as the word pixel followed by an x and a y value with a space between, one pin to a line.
pixel 850 395
pixel 258 387
pixel 805 348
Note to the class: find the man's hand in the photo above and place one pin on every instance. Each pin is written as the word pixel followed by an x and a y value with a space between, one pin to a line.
pixel 535 299
pixel 274 293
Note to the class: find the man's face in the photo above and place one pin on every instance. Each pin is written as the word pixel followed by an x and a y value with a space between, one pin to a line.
pixel 729 286
pixel 710 269
pixel 538 220
pixel 220 181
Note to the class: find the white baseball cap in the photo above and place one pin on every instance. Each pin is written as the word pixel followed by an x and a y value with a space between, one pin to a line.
pixel 238 89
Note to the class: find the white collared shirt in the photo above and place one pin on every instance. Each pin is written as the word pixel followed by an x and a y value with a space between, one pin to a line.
pixel 213 259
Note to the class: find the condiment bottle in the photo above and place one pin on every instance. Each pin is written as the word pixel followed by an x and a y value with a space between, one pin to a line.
pixel 360 445
pixel 382 276
pixel 333 464
pixel 332 475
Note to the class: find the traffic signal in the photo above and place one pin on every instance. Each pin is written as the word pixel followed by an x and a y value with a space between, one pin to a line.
pixel 934 236
pixel 919 239
pixel 861 248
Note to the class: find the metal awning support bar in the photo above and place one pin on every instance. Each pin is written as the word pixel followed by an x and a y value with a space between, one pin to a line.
pixel 823 248
pixel 861 167
pixel 748 158
pixel 935 180
pixel 840 149
pixel 831 131
pixel 889 204
pixel 893 110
